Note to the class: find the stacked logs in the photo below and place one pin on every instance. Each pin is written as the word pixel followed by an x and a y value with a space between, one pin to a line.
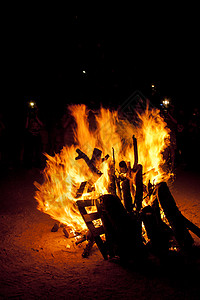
pixel 123 216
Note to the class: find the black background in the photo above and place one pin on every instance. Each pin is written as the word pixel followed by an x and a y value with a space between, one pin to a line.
pixel 122 49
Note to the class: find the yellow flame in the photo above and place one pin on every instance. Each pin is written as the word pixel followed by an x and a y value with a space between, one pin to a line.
pixel 63 174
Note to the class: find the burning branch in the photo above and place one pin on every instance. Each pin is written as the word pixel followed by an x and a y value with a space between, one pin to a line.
pixel 92 163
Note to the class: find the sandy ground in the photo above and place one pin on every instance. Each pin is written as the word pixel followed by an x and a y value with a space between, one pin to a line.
pixel 36 263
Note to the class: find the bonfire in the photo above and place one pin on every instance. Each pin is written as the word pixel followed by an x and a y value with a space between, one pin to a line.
pixel 115 165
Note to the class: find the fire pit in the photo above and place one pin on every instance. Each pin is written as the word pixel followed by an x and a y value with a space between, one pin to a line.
pixel 119 197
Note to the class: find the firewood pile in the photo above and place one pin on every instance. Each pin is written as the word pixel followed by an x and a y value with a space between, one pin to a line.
pixel 128 228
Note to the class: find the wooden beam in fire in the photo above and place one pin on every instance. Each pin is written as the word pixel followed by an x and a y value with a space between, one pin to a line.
pixel 174 216
pixel 94 163
pixel 95 232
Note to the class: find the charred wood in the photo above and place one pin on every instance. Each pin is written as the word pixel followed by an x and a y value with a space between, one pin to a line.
pixel 66 232
pixel 123 167
pixel 135 147
pixel 139 189
pixel 111 175
pixel 112 180
pixel 96 157
pixel 105 158
pixel 192 227
pixel 127 195
pixel 94 233
pixel 130 177
pixel 118 188
pixel 92 163
pixel 89 162
pixel 174 216
pixel 120 228
pixel 156 231
pixel 55 227
pixel 80 190
pixel 150 188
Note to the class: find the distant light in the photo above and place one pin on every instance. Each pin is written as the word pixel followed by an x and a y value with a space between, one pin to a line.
pixel 32 104
pixel 165 102
pixel 153 86
pixel 84 72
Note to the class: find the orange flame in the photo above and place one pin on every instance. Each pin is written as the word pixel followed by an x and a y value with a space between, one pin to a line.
pixel 63 174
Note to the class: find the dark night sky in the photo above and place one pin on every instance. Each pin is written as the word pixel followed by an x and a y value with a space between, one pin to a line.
pixel 46 52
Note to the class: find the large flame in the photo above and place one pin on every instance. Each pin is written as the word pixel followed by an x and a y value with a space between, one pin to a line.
pixel 64 174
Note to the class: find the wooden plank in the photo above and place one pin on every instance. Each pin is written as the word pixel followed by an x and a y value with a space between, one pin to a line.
pixel 192 227
pixel 95 231
pixel 91 217
pixel 99 230
pixel 139 188
pixel 84 203
pixel 174 216
pixel 135 153
pixel 102 247
pixel 82 210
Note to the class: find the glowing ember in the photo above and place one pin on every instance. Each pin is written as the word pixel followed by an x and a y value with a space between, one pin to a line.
pixel 64 175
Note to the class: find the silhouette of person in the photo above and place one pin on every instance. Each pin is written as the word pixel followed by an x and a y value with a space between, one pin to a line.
pixel 33 143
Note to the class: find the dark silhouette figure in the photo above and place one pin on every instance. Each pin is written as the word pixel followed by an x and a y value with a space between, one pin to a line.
pixel 171 121
pixel 33 142
pixel 181 137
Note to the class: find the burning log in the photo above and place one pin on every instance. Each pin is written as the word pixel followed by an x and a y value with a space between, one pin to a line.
pixel 96 157
pixel 125 186
pixel 112 180
pixel 120 227
pixel 157 231
pixel 81 189
pixel 123 167
pixel 94 233
pixel 118 188
pixel 174 216
pixel 127 195
pixel 139 188
pixel 114 218
pixel 112 177
pixel 92 163
pixel 130 177
pixel 81 240
pixel 137 168
pixel 135 153
pixel 89 162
